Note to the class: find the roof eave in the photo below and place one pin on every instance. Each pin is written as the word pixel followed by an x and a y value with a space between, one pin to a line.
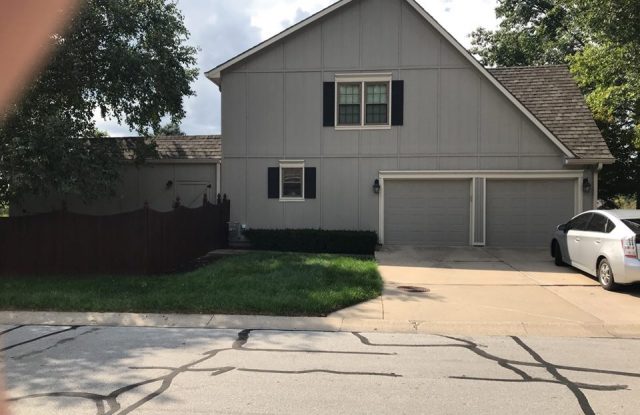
pixel 588 161
pixel 214 76
pixel 474 62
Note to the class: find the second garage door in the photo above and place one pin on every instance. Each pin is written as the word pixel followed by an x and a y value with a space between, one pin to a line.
pixel 427 212
pixel 525 212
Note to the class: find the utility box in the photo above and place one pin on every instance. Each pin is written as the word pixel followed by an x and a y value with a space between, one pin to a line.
pixel 236 235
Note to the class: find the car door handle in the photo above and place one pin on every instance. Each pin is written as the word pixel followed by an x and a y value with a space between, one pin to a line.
pixel 577 239
pixel 598 241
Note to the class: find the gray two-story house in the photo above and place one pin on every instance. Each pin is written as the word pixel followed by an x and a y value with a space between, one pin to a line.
pixel 370 116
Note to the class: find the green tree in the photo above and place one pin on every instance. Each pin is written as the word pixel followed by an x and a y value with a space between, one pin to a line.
pixel 169 129
pixel 123 59
pixel 600 41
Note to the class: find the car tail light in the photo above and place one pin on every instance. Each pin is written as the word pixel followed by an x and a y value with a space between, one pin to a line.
pixel 629 247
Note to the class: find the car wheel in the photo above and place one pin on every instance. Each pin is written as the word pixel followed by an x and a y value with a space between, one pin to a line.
pixel 605 276
pixel 557 254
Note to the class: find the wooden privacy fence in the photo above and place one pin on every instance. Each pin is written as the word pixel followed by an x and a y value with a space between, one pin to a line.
pixel 140 242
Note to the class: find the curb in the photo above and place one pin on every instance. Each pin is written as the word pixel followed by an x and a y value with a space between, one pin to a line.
pixel 327 324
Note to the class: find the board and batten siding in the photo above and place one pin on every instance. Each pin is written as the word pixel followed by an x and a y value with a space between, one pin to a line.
pixel 454 119
pixel 137 185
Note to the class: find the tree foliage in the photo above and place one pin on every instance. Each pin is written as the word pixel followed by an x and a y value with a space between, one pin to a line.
pixel 170 129
pixel 600 40
pixel 120 59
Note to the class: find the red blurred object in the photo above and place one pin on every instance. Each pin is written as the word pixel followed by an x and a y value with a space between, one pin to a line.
pixel 24 41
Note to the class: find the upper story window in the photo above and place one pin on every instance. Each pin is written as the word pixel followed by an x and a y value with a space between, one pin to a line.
pixel 349 100
pixel 363 101
pixel 377 103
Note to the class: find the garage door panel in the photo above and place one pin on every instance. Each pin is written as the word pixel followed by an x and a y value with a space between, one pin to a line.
pixel 427 212
pixel 525 212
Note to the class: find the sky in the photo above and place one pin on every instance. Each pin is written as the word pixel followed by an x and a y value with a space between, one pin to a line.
pixel 221 29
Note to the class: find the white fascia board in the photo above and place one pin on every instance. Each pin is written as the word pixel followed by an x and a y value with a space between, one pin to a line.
pixel 215 73
pixel 490 77
pixel 581 162
pixel 487 174
pixel 184 161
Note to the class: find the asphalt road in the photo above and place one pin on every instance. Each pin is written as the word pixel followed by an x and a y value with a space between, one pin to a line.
pixel 99 370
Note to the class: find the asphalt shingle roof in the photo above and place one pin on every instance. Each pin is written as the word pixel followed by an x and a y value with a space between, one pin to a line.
pixel 189 147
pixel 552 96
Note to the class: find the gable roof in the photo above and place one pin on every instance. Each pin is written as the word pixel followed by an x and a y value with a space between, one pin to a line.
pixel 552 95
pixel 582 151
pixel 188 147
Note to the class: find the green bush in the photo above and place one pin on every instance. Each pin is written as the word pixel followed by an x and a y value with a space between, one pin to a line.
pixel 314 241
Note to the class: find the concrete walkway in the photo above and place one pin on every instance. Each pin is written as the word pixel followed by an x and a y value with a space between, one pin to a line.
pixel 496 287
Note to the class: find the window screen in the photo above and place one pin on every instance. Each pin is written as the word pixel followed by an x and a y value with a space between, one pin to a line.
pixel 377 103
pixel 598 223
pixel 292 182
pixel 349 99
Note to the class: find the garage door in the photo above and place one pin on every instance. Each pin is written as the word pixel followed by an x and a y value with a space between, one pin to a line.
pixel 427 212
pixel 525 212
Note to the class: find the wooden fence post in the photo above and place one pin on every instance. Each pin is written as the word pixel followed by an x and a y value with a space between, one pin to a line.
pixel 146 257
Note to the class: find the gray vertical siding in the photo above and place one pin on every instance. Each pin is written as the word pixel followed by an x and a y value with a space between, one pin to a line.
pixel 454 118
pixel 146 183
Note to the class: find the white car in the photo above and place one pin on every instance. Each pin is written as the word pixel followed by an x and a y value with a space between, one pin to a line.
pixel 603 243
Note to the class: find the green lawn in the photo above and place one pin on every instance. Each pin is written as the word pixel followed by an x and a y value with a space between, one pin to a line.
pixel 257 283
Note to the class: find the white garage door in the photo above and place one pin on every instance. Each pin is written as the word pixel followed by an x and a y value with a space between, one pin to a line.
pixel 525 212
pixel 427 212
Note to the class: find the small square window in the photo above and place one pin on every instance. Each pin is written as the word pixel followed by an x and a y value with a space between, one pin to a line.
pixel 291 181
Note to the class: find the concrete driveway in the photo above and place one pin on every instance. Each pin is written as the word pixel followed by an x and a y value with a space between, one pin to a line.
pixel 493 286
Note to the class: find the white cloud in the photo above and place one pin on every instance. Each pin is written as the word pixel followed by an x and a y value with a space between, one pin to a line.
pixel 223 28
pixel 461 17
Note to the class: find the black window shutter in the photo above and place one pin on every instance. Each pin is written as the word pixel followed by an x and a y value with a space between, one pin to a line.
pixel 397 103
pixel 274 183
pixel 329 104
pixel 310 183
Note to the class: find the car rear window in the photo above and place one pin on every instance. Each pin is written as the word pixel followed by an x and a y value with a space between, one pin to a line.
pixel 610 226
pixel 633 224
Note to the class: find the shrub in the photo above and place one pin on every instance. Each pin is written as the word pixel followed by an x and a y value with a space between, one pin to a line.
pixel 313 240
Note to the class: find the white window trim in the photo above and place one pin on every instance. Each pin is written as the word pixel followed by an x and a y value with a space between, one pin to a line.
pixel 363 79
pixel 291 164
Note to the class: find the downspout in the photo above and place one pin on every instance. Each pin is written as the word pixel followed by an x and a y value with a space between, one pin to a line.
pixel 218 190
pixel 595 185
